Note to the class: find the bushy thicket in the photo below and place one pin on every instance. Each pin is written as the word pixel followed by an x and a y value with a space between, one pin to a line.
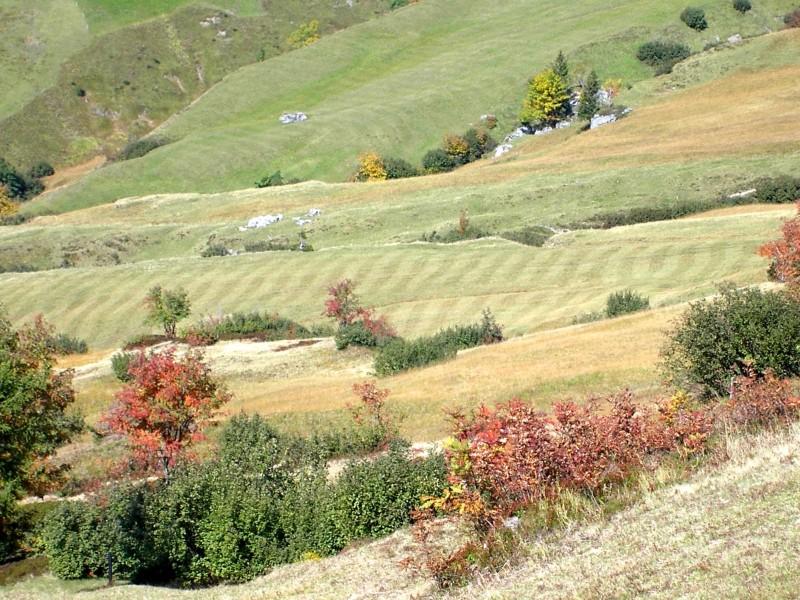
pixel 742 6
pixel 397 168
pixel 18 186
pixel 275 180
pixel 238 325
pixel 65 344
pixel 695 18
pixel 120 361
pixel 139 148
pixel 792 19
pixel 625 302
pixel 737 333
pixel 401 355
pixel 456 150
pixel 265 500
pixel 662 55
pixel 41 169
pixel 778 190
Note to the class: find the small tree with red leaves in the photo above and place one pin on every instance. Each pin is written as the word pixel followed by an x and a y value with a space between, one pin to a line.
pixel 371 412
pixel 342 303
pixel 357 325
pixel 785 255
pixel 165 407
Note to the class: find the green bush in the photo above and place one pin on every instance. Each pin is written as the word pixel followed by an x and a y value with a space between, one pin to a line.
pixel 625 302
pixel 139 148
pixel 214 250
pixel 373 498
pixel 355 334
pixel 438 161
pixel 662 55
pixel 742 6
pixel 719 339
pixel 397 168
pixel 253 325
pixel 401 355
pixel 71 541
pixel 77 536
pixel 479 142
pixel 120 361
pixel 778 190
pixel 393 4
pixel 370 498
pixel 530 236
pixel 66 344
pixel 694 18
pixel 274 180
pixel 41 169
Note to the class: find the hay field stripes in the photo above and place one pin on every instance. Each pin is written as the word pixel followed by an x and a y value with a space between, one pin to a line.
pixel 394 84
pixel 421 288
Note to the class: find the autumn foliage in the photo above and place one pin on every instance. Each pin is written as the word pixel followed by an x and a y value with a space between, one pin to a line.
pixel 343 306
pixel 371 168
pixel 785 255
pixel 165 407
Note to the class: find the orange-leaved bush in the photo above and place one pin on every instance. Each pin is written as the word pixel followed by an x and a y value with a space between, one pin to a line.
pixel 759 401
pixel 165 407
pixel 785 254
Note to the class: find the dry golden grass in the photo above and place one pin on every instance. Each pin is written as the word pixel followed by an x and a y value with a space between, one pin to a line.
pixel 569 363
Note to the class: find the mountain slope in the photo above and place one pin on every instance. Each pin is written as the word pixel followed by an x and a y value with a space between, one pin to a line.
pixel 395 85
pixel 140 62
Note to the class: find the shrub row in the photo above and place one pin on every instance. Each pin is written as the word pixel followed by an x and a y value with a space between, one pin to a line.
pixel 401 355
pixel 264 501
pixel 141 147
pixel 769 190
pixel 253 325
pixel 456 150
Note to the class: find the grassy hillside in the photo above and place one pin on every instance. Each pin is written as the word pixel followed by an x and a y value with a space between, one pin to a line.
pixel 395 85
pixel 141 62
pixel 420 287
pixel 728 532
pixel 35 38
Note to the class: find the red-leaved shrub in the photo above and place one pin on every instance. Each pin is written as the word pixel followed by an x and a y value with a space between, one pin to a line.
pixel 759 401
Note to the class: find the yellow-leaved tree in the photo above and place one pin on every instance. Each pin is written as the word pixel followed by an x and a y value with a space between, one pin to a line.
pixel 370 168
pixel 7 206
pixel 305 35
pixel 547 99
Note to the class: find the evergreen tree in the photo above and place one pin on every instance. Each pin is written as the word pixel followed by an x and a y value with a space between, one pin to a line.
pixel 561 68
pixel 589 105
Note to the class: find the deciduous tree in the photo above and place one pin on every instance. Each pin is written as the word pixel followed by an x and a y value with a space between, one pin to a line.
pixel 165 407
pixel 34 399
pixel 547 99
pixel 166 308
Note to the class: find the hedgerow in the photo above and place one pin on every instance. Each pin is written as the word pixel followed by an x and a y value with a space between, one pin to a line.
pixel 402 355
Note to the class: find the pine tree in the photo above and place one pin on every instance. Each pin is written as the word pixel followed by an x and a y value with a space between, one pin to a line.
pixel 561 68
pixel 589 106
